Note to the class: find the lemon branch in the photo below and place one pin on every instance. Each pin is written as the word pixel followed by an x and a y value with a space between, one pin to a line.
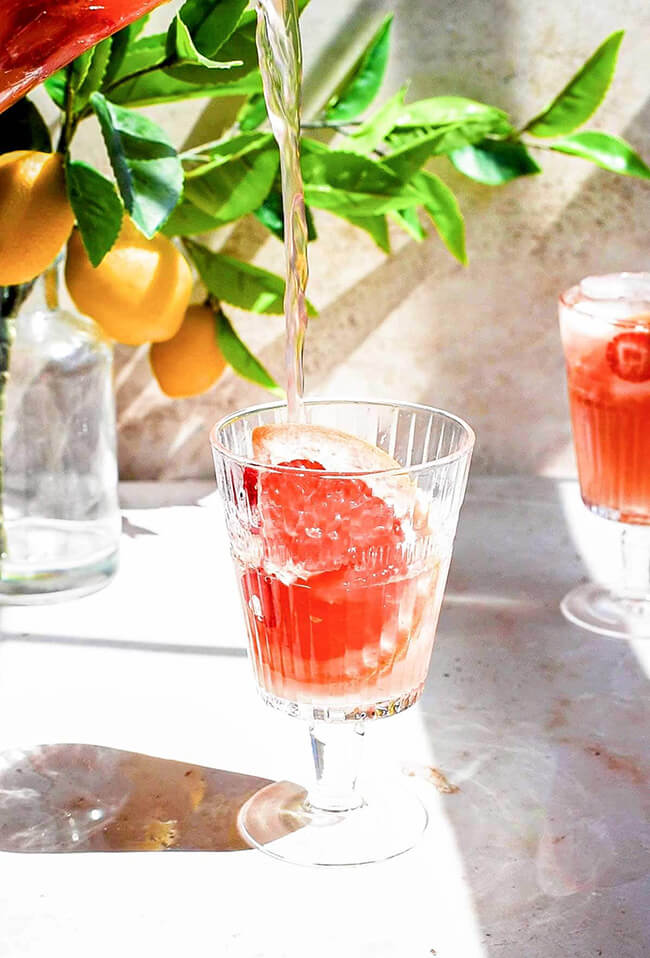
pixel 70 122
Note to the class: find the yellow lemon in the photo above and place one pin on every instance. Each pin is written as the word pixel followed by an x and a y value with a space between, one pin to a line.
pixel 191 362
pixel 139 292
pixel 35 216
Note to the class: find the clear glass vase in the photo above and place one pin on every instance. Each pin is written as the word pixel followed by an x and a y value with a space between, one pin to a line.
pixel 60 521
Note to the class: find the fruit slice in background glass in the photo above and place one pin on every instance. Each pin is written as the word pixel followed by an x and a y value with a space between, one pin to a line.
pixel 38 37
pixel 605 326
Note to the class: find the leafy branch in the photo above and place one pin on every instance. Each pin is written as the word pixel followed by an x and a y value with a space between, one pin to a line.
pixel 375 170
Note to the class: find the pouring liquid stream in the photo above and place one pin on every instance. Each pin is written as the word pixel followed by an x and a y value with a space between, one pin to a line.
pixel 280 56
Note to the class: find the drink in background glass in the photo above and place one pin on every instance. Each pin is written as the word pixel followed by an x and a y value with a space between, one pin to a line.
pixel 341 530
pixel 38 37
pixel 605 327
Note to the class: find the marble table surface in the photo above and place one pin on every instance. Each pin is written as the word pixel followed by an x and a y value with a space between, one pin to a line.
pixel 541 851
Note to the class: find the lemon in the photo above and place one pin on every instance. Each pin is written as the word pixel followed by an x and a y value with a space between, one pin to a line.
pixel 190 362
pixel 36 218
pixel 140 291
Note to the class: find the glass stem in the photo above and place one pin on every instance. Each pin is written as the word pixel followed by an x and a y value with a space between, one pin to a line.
pixel 336 749
pixel 635 562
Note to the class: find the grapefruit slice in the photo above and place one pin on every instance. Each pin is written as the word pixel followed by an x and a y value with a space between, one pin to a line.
pixel 336 451
pixel 316 522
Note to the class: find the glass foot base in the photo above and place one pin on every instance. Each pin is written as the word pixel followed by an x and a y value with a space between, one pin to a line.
pixel 279 821
pixel 596 608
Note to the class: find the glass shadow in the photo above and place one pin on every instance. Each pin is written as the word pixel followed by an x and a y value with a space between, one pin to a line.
pixel 90 798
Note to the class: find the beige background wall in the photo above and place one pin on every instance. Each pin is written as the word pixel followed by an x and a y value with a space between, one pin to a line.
pixel 483 340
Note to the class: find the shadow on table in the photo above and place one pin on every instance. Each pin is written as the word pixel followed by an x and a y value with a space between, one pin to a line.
pixel 543 727
pixel 88 798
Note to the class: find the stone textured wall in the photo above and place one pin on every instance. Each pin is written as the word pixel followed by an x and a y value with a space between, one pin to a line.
pixel 481 341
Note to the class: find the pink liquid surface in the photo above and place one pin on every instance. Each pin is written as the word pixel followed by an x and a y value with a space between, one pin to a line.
pixel 609 395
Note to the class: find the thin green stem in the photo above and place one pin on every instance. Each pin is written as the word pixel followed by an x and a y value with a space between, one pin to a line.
pixel 163 65
pixel 329 125
pixel 537 146
pixel 70 122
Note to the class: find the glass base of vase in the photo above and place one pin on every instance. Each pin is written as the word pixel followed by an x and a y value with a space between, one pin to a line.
pixel 17 587
pixel 593 607
pixel 279 821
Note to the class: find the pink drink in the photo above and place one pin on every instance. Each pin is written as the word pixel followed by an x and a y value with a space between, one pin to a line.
pixel 607 349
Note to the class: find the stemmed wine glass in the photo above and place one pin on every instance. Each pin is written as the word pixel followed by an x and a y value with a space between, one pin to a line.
pixel 341 531
pixel 605 327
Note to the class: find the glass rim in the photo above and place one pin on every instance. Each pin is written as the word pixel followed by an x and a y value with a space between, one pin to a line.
pixel 245 461
pixel 579 303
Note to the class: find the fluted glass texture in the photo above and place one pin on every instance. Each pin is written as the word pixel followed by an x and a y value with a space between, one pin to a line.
pixel 342 573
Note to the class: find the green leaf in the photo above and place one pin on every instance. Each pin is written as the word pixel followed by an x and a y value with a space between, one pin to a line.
pixel 583 94
pixel 240 47
pixel 226 151
pixel 188 220
pixel 240 284
pixel 442 206
pixel 55 88
pixel 271 215
pixel 240 357
pixel 605 150
pixel 164 83
pixel 211 24
pixel 166 86
pixel 123 41
pixel 351 185
pixel 448 110
pixel 138 25
pixel 97 207
pixel 147 168
pixel 375 226
pixel 311 226
pixel 410 222
pixel 230 190
pixel 412 148
pixel 439 125
pixel 146 53
pixel 377 128
pixel 23 128
pixel 253 112
pixel 100 57
pixel 364 82
pixel 409 159
pixel 181 48
pixel 78 70
pixel 494 163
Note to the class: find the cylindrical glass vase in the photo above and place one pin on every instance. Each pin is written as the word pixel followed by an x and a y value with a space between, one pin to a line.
pixel 60 521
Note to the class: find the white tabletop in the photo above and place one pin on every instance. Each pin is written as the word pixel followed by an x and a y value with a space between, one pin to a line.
pixel 543 852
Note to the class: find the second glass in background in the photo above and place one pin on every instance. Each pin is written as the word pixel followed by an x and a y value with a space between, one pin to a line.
pixel 605 327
